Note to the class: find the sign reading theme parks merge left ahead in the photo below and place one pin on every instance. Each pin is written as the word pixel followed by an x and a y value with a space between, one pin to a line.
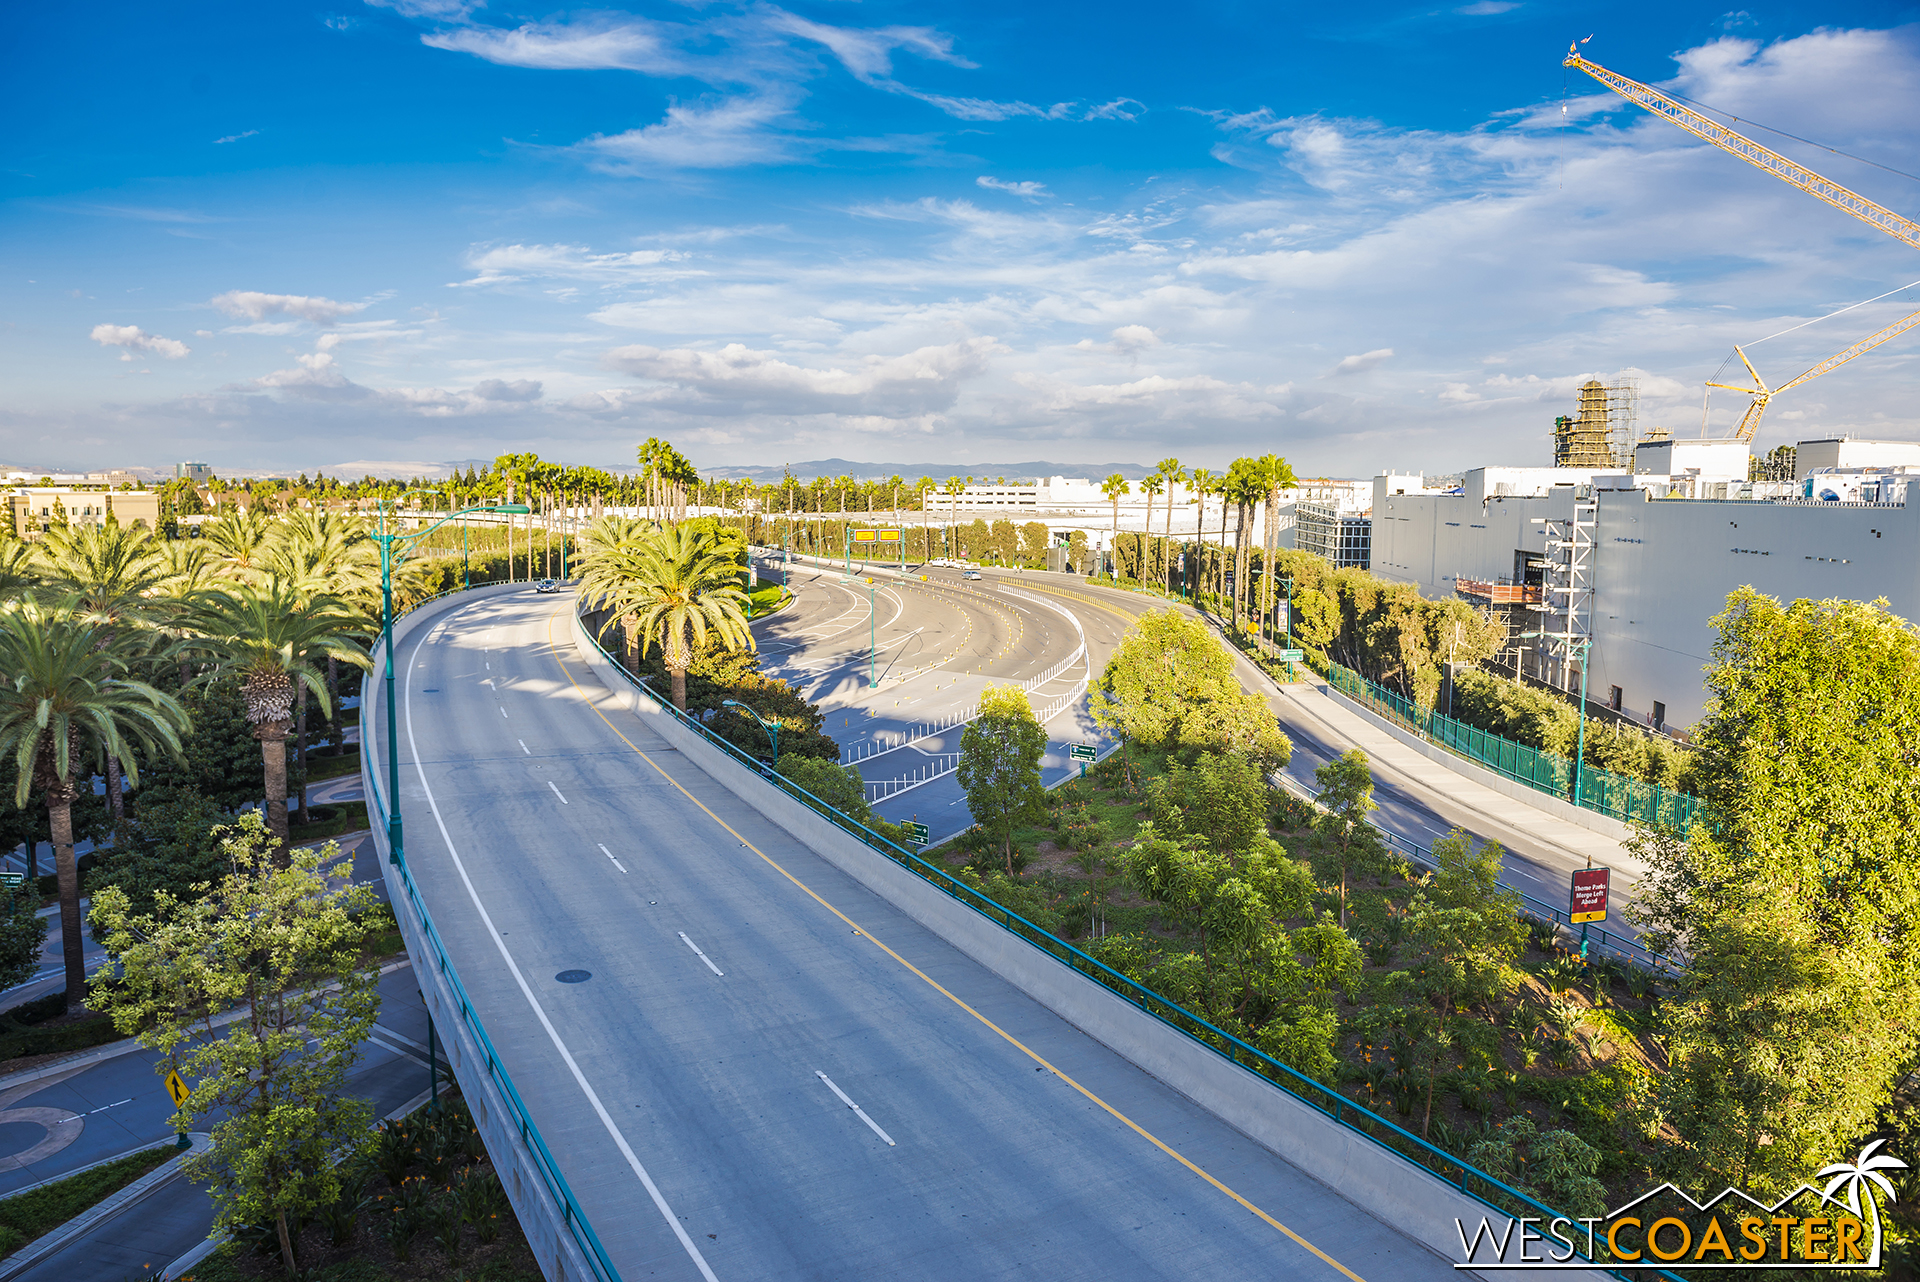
pixel 1810 1228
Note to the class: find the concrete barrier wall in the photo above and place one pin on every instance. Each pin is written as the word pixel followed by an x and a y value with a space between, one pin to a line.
pixel 558 1255
pixel 1393 1189
pixel 1558 807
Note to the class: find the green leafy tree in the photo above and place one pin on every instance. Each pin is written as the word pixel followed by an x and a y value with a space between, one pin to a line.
pixel 1466 933
pixel 1795 902
pixel 1000 753
pixel 71 700
pixel 1116 487
pixel 1170 685
pixel 1223 799
pixel 288 946
pixel 1349 845
pixel 23 933
pixel 173 843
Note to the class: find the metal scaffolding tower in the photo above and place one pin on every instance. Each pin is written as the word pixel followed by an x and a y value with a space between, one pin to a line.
pixel 1566 611
pixel 1600 435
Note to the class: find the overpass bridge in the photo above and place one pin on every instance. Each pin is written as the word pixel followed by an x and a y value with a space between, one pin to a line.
pixel 710 1037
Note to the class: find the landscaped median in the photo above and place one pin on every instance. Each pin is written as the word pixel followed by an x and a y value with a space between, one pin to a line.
pixel 42 1218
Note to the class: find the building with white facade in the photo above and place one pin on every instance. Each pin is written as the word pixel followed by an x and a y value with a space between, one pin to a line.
pixel 1635 566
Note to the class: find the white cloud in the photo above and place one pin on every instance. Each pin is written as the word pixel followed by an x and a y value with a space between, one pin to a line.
pixel 521 389
pixel 257 306
pixel 723 133
pixel 504 264
pixel 236 137
pixel 131 338
pixel 1362 363
pixel 1487 8
pixel 1134 338
pixel 737 376
pixel 1118 109
pixel 868 53
pixel 602 43
pixel 446 10
pixel 1028 190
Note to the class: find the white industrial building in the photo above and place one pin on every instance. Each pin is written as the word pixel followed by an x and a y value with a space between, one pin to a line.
pixel 1634 566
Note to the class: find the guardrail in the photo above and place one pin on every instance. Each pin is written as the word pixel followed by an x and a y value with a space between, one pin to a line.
pixel 555 1183
pixel 1470 1180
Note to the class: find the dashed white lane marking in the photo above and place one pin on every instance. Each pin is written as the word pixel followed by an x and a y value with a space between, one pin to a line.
pixel 104 1107
pixel 609 854
pixel 857 1110
pixel 503 712
pixel 523 746
pixel 702 956
pixel 556 792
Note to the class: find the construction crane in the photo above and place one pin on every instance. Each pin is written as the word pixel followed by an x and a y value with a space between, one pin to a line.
pixel 1902 229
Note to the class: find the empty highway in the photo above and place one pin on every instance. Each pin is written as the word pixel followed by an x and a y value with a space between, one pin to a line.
pixel 752 1067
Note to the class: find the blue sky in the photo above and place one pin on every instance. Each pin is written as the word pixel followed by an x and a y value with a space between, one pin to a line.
pixel 273 236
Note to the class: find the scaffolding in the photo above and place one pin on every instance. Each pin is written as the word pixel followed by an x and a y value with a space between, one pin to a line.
pixel 1600 435
pixel 1566 612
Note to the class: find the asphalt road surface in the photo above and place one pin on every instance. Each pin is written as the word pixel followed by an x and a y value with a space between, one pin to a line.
pixel 749 1065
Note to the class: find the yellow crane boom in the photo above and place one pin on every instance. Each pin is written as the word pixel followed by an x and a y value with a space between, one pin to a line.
pixel 1902 229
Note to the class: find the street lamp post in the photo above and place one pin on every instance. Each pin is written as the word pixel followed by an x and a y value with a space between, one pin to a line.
pixel 386 538
pixel 771 727
pixel 872 654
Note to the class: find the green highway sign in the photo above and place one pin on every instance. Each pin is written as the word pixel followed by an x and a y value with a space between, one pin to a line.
pixel 916 833
pixel 12 879
pixel 1292 656
pixel 1081 752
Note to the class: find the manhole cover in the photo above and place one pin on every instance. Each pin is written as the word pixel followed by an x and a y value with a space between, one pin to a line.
pixel 574 976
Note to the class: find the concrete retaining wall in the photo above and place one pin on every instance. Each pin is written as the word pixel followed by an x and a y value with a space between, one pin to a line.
pixel 1388 1186
pixel 1559 808
pixel 559 1256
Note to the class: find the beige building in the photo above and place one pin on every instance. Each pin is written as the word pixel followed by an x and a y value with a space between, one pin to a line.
pixel 35 508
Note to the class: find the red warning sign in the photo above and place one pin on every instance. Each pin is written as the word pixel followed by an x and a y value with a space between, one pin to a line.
pixel 1589 899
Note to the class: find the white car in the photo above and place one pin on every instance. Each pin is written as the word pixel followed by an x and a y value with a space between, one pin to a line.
pixel 970 574
pixel 547 585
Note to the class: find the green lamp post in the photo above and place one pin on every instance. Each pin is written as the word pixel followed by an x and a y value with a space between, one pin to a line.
pixel 771 727
pixel 387 538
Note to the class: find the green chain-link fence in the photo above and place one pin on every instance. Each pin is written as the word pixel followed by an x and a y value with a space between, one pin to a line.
pixel 1620 796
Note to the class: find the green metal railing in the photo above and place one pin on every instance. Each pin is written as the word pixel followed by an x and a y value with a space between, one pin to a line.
pixel 519 1117
pixel 1469 1179
pixel 1603 791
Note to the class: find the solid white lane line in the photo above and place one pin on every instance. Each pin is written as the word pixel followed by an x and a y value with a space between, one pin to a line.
pixel 609 854
pixel 523 746
pixel 702 956
pixel 556 791
pixel 857 1110
pixel 553 1034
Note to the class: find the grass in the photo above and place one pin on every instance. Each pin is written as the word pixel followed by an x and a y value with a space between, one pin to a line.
pixel 340 816
pixel 28 1216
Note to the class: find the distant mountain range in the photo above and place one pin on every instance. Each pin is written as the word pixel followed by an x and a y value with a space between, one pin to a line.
pixel 832 467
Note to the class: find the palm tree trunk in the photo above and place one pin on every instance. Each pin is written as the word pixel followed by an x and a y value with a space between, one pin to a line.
pixel 1239 570
pixel 116 792
pixel 300 747
pixel 273 762
pixel 679 676
pixel 67 875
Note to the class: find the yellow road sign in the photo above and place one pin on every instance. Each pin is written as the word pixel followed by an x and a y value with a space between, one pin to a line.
pixel 177 1089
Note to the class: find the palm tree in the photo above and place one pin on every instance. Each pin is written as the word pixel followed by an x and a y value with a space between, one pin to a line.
pixel 1203 485
pixel 240 538
pixel 1170 471
pixel 673 587
pixel 110 575
pixel 269 636
pixel 1113 487
pixel 1150 487
pixel 67 701
pixel 1278 476
pixel 1245 486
